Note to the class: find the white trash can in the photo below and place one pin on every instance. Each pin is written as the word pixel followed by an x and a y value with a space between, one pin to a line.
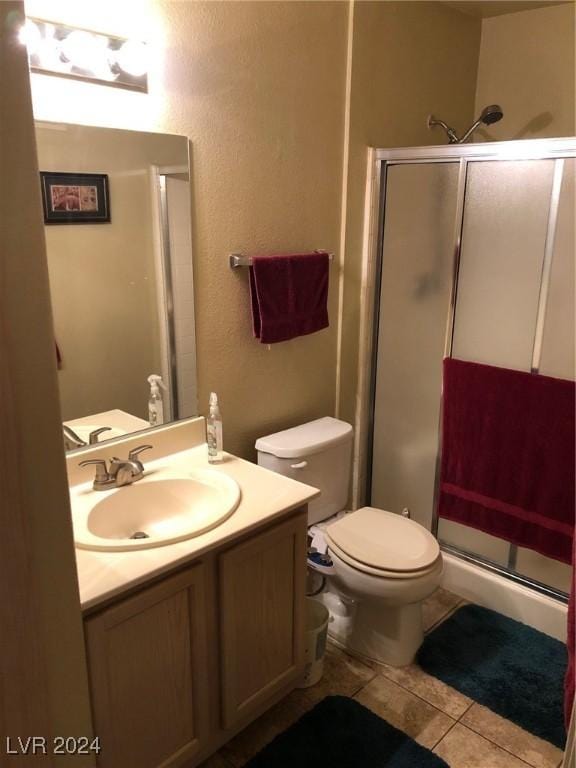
pixel 316 631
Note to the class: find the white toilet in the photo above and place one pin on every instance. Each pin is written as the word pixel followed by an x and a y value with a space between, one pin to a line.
pixel 384 565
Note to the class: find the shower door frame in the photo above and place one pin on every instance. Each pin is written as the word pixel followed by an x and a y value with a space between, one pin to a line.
pixel 373 252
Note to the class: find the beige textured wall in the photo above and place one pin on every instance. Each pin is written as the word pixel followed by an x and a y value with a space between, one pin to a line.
pixel 43 685
pixel 259 88
pixel 409 59
pixel 102 276
pixel 261 95
pixel 527 66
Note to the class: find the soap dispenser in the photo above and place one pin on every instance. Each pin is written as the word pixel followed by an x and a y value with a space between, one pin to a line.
pixel 155 402
pixel 214 431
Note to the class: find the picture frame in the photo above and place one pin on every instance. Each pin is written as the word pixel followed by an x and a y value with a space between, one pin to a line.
pixel 75 198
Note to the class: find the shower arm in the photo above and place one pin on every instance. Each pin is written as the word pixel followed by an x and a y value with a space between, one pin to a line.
pixel 488 116
pixel 452 136
pixel 470 131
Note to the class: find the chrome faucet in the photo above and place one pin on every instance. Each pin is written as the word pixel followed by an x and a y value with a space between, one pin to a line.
pixel 93 436
pixel 128 471
pixel 72 440
pixel 120 472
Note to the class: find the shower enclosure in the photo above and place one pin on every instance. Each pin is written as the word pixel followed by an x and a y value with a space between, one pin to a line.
pixel 475 261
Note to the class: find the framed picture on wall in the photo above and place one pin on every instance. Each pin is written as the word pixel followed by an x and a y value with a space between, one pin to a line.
pixel 75 198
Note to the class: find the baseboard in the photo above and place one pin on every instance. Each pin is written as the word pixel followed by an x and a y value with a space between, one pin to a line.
pixel 514 600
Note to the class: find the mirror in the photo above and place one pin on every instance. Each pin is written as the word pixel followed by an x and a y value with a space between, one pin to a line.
pixel 122 289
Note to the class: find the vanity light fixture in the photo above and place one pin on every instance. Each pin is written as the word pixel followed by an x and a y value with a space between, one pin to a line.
pixel 57 49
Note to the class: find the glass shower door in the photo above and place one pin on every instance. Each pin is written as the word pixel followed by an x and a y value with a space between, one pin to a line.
pixel 502 252
pixel 505 233
pixel 417 266
pixel 477 264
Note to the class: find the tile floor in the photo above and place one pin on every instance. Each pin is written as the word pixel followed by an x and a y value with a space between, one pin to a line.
pixel 463 733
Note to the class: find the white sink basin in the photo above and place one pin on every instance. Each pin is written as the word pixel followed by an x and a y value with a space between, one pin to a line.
pixel 159 509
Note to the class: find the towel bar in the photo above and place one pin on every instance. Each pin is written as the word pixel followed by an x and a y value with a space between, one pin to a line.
pixel 240 260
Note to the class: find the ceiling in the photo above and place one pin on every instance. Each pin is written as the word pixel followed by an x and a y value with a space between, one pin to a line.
pixel 484 8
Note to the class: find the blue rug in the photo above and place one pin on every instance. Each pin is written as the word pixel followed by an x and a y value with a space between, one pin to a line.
pixel 506 666
pixel 340 733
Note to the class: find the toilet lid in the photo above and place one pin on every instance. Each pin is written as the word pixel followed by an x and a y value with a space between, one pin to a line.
pixel 384 540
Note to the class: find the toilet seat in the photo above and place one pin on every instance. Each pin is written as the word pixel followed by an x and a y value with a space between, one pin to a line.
pixel 379 572
pixel 383 544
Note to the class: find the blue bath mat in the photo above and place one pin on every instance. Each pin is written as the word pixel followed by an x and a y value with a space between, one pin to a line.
pixel 340 733
pixel 506 666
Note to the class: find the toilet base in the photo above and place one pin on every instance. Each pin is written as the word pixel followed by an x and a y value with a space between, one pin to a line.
pixel 387 635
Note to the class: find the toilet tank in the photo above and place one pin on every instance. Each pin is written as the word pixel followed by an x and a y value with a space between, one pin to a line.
pixel 318 453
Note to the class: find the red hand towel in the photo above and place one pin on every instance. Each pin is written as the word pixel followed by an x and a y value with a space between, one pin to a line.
pixel 508 455
pixel 289 295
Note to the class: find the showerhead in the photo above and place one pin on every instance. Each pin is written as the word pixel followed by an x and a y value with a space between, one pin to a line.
pixel 488 116
pixel 491 114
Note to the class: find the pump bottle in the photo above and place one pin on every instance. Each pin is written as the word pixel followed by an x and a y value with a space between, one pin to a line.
pixel 214 431
pixel 155 402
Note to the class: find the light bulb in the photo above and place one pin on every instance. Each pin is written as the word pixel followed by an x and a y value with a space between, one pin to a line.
pixel 59 49
pixel 30 36
pixel 85 51
pixel 133 58
pixel 48 55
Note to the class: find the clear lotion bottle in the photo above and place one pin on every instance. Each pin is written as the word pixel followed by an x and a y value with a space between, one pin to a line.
pixel 155 402
pixel 214 431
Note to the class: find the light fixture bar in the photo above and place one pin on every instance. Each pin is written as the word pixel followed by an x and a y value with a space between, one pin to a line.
pixel 64 51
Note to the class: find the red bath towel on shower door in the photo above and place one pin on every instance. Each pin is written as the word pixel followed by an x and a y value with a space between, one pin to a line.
pixel 508 455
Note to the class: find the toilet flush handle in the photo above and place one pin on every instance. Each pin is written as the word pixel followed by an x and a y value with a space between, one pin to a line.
pixel 300 465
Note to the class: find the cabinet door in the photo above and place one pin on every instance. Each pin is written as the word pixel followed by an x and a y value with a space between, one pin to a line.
pixel 147 661
pixel 262 589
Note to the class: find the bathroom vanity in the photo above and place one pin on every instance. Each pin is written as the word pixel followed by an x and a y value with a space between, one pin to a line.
pixel 188 643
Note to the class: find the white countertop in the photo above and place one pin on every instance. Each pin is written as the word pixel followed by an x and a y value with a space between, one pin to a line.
pixel 265 496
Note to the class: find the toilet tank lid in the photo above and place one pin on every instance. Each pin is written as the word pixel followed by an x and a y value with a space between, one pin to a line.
pixel 306 439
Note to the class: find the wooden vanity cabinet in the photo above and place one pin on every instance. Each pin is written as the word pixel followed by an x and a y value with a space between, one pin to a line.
pixel 178 668
pixel 146 660
pixel 262 593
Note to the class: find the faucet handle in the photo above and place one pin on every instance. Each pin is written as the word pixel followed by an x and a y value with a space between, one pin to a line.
pixel 71 438
pixel 100 464
pixel 102 479
pixel 93 436
pixel 134 453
